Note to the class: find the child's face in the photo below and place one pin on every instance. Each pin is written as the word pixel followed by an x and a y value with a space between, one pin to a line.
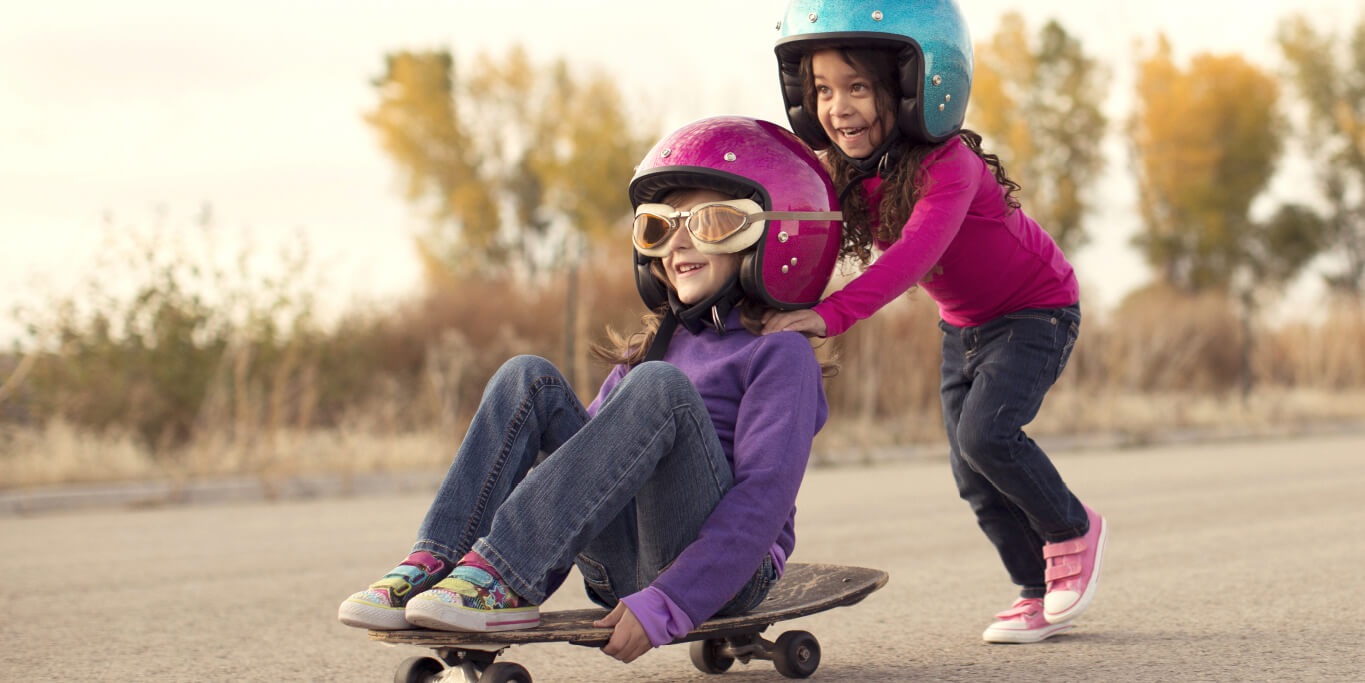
pixel 848 105
pixel 693 274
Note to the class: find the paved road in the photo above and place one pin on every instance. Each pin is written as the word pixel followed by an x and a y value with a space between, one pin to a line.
pixel 1228 562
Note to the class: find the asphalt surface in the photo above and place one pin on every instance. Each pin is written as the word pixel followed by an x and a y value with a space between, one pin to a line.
pixel 1227 562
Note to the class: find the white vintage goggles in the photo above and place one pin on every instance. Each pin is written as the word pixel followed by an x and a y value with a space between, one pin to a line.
pixel 716 227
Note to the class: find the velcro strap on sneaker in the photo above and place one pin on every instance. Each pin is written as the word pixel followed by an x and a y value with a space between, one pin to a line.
pixel 1071 547
pixel 1062 570
pixel 1017 610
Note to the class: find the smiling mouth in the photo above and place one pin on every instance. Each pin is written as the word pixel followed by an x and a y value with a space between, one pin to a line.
pixel 852 132
pixel 686 268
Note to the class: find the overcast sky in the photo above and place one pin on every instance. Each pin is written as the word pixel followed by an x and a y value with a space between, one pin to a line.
pixel 127 109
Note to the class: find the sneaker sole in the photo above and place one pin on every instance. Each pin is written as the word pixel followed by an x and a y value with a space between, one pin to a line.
pixel 445 617
pixel 373 617
pixel 1090 587
pixel 1018 637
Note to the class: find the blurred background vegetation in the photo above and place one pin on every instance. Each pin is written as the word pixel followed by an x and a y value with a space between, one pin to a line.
pixel 205 366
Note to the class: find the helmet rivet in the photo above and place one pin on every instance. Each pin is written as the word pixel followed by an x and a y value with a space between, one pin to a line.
pixel 940 107
pixel 948 97
pixel 793 260
pixel 812 17
pixel 938 80
pixel 876 15
pixel 666 152
pixel 784 269
pixel 783 236
pixel 729 156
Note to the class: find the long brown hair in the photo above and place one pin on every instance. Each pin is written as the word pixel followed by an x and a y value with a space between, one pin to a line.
pixel 630 349
pixel 903 180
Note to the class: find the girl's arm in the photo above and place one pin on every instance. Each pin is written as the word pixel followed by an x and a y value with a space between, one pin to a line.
pixel 952 179
pixel 782 408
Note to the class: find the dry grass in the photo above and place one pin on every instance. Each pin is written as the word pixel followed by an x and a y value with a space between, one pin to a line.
pixel 60 454
pixel 391 391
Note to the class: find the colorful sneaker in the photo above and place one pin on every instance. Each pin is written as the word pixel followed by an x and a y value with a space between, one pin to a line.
pixel 472 598
pixel 1023 622
pixel 1073 571
pixel 380 607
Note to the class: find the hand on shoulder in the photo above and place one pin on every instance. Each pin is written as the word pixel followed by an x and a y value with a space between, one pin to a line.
pixel 805 321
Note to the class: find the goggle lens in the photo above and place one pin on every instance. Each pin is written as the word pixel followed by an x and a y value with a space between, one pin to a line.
pixel 711 223
pixel 651 230
pixel 716 222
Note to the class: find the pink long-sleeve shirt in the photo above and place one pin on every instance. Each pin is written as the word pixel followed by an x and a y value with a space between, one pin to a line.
pixel 976 257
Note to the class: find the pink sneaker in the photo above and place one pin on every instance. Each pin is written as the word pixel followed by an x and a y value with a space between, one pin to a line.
pixel 1023 622
pixel 1073 571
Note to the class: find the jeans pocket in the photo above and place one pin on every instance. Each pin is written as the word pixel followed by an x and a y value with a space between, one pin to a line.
pixel 596 582
pixel 1073 330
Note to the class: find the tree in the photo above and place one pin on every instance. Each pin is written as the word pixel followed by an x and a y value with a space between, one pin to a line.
pixel 1329 81
pixel 1039 108
pixel 1206 142
pixel 519 164
pixel 514 162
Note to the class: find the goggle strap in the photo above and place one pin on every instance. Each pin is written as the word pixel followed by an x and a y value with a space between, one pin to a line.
pixel 799 216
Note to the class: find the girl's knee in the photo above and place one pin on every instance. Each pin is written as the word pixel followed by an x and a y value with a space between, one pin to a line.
pixel 978 441
pixel 656 378
pixel 521 368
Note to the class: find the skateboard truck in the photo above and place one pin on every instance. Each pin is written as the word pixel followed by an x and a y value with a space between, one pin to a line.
pixel 795 654
pixel 461 664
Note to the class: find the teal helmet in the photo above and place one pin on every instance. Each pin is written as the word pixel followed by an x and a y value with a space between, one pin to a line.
pixel 935 59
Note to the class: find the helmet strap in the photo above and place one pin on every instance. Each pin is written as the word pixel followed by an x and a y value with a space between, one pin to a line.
pixel 695 318
pixel 884 157
pixel 659 345
pixel 712 311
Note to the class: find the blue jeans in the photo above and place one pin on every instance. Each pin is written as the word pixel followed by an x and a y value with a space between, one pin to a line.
pixel 537 487
pixel 994 379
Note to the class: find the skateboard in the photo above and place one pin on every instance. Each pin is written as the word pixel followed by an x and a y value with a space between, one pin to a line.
pixel 804 589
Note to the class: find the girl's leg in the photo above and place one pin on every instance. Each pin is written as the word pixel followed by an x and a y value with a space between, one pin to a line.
pixel 527 408
pixel 1003 522
pixel 649 460
pixel 1006 368
pixel 1012 362
pixel 665 516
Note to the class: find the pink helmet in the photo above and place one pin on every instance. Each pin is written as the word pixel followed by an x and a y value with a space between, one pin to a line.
pixel 793 260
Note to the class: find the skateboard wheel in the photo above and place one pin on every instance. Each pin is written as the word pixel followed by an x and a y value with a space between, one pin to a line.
pixel 418 670
pixel 796 654
pixel 709 656
pixel 505 672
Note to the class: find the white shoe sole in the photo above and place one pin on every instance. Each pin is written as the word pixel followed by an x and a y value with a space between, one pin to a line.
pixel 1017 636
pixel 365 615
pixel 429 613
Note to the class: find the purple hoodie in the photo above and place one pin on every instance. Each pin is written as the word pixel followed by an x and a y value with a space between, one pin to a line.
pixel 767 401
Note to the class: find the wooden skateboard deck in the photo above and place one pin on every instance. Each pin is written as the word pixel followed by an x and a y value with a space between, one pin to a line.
pixel 804 589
